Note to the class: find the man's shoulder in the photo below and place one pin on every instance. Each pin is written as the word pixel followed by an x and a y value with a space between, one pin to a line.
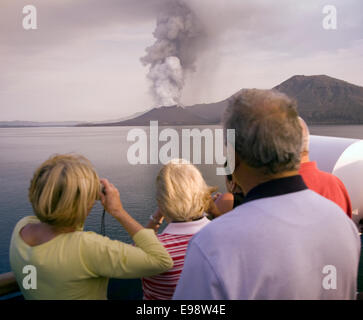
pixel 312 168
pixel 332 182
pixel 328 176
pixel 323 178
pixel 224 225
pixel 278 217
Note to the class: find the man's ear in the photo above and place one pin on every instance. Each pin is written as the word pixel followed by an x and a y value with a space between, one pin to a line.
pixel 237 166
pixel 233 187
pixel 237 161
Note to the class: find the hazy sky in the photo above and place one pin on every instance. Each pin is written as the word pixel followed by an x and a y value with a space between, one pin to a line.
pixel 83 61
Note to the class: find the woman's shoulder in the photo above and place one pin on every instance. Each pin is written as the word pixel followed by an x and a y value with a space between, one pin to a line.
pixel 93 241
pixel 26 220
pixel 181 231
pixel 16 239
pixel 90 236
pixel 96 238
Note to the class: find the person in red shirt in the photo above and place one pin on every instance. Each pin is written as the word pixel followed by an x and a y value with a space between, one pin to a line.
pixel 324 183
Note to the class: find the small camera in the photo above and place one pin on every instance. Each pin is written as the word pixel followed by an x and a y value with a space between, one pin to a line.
pixel 102 189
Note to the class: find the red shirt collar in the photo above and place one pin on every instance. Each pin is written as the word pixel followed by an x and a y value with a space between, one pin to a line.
pixel 308 165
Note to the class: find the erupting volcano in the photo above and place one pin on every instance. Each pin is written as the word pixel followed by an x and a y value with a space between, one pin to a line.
pixel 179 37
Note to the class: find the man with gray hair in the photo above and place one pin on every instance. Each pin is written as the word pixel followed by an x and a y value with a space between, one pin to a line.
pixel 285 241
pixel 324 183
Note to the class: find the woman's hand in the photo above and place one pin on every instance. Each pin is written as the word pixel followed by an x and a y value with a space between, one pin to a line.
pixel 216 196
pixel 110 198
pixel 158 216
pixel 111 201
pixel 212 210
pixel 155 220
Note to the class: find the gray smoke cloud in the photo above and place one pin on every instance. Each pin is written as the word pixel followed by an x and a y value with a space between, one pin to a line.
pixel 180 36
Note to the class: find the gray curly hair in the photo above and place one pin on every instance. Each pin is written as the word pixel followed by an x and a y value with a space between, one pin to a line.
pixel 267 128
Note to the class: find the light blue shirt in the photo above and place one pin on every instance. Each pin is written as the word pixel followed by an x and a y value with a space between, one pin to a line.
pixel 275 247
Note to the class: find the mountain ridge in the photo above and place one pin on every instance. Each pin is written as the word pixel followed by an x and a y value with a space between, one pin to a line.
pixel 321 100
pixel 325 100
pixel 173 115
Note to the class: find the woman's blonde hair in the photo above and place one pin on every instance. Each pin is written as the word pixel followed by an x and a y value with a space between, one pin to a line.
pixel 63 190
pixel 182 193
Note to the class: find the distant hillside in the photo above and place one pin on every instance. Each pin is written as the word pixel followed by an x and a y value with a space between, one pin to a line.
pixel 109 122
pixel 325 100
pixel 166 116
pixel 27 124
pixel 211 111
pixel 321 100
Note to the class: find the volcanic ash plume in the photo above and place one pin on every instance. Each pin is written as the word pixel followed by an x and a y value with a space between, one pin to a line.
pixel 178 38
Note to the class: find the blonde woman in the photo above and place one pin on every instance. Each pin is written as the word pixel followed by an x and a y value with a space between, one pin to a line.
pixel 71 263
pixel 183 197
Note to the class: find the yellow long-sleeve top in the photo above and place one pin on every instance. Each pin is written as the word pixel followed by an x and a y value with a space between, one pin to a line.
pixel 77 265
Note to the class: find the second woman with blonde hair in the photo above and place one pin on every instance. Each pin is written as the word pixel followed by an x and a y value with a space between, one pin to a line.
pixel 183 198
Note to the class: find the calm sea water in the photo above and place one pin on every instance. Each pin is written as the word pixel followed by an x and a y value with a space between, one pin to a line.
pixel 24 149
